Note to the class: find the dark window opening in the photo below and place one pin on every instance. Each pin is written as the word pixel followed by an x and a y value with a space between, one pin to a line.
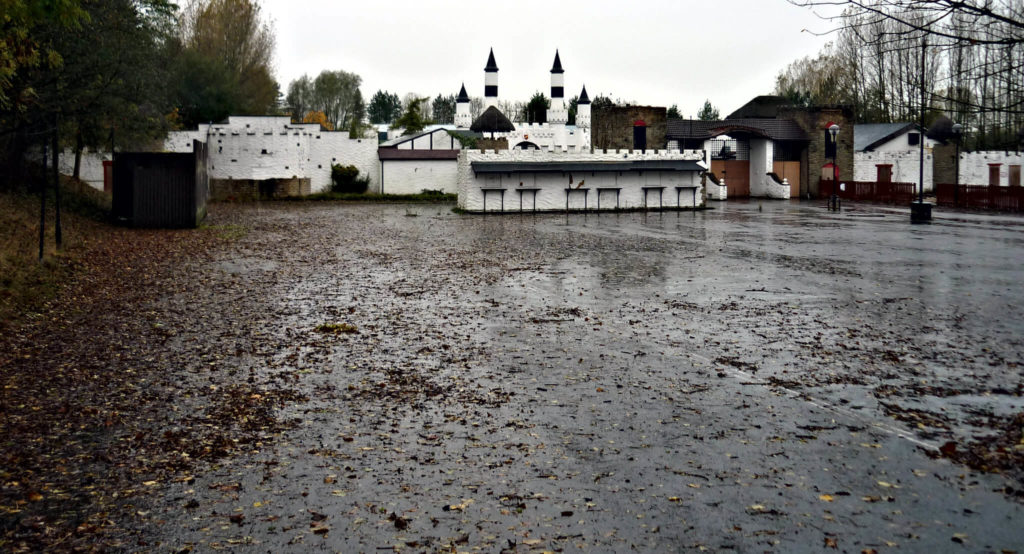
pixel 830 145
pixel 913 139
pixel 639 137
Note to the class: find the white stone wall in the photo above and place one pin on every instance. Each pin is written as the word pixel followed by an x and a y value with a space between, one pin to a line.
pixel 974 166
pixel 564 138
pixel 413 176
pixel 552 193
pixel 91 168
pixel 583 116
pixel 274 148
pixel 762 154
pixel 905 166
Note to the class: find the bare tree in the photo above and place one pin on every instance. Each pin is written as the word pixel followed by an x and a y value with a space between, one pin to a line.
pixel 972 69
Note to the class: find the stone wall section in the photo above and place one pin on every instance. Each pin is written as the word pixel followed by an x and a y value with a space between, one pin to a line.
pixel 814 122
pixel 612 127
pixel 906 166
pixel 273 148
pixel 551 195
pixel 415 176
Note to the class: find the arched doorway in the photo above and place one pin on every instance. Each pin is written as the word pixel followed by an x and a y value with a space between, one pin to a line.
pixel 526 145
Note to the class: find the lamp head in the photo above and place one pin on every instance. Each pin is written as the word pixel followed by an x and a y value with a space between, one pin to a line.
pixel 833 130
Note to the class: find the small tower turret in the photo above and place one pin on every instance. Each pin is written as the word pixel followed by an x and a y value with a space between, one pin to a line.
pixel 557 113
pixel 583 110
pixel 463 116
pixel 490 82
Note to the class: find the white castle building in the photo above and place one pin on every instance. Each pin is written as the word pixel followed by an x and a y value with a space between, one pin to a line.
pixel 554 135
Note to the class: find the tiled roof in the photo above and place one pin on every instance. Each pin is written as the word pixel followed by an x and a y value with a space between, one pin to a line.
pixel 775 129
pixel 596 166
pixel 408 154
pixel 869 135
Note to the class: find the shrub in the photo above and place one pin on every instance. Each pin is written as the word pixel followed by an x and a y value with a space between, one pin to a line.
pixel 346 179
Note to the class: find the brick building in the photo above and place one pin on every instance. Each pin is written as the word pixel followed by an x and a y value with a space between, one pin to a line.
pixel 629 128
pixel 770 141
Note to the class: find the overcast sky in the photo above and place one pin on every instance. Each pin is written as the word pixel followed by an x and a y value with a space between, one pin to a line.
pixel 658 53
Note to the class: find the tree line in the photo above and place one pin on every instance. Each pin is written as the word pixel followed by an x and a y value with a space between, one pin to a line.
pixel 121 73
pixel 960 58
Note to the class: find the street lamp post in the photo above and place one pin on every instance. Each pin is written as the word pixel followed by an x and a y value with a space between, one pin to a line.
pixel 958 131
pixel 833 203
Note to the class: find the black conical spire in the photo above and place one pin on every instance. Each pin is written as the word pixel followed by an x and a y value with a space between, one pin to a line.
pixel 491 66
pixel 557 68
pixel 584 99
pixel 463 97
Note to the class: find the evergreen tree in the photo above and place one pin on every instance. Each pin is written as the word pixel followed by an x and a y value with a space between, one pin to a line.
pixel 537 108
pixel 413 120
pixel 708 112
pixel 443 109
pixel 384 107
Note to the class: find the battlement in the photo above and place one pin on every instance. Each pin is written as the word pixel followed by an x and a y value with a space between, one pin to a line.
pixel 566 154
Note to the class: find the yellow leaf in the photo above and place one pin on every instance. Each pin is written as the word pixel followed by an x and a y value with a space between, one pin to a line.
pixel 693 486
pixel 149 483
pixel 827 497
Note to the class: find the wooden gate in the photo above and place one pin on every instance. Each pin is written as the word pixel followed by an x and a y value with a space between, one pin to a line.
pixel 791 172
pixel 737 176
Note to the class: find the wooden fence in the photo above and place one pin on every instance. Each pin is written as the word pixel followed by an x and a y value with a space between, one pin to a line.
pixel 871 191
pixel 980 197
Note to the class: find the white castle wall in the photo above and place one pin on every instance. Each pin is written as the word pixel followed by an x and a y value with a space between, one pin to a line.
pixel 974 166
pixel 273 148
pixel 413 176
pixel 567 138
pixel 552 193
pixel 906 166
pixel 91 168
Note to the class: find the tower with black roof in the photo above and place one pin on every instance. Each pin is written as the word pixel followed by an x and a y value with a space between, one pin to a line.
pixel 490 82
pixel 558 113
pixel 463 114
pixel 583 110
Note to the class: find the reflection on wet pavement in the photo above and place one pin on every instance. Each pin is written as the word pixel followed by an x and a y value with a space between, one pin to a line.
pixel 761 376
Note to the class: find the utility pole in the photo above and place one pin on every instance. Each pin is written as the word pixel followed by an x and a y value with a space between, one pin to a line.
pixel 55 154
pixel 42 204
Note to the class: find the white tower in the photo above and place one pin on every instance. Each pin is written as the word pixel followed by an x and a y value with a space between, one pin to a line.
pixel 463 117
pixel 490 82
pixel 557 113
pixel 583 110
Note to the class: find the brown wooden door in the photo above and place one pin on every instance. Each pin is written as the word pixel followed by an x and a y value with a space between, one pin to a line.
pixel 737 178
pixel 1014 175
pixel 791 172
pixel 884 173
pixel 993 175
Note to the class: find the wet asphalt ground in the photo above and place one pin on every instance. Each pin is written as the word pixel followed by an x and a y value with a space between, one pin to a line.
pixel 763 376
